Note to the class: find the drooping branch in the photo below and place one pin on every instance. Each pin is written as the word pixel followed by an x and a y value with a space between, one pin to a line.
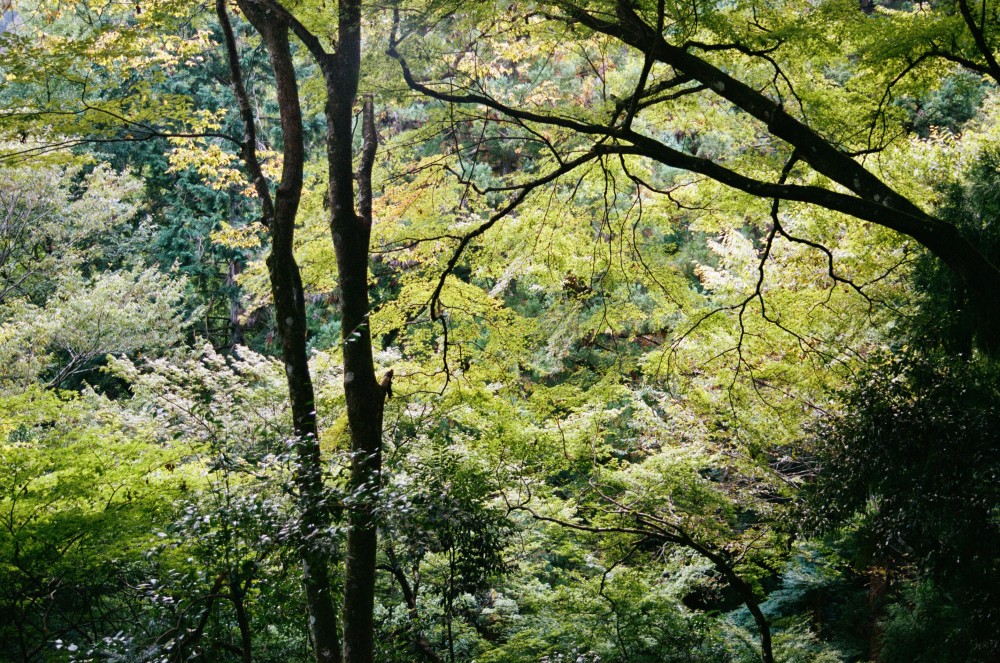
pixel 874 200
pixel 650 526
pixel 522 192
pixel 815 150
pixel 434 305
pixel 146 135
pixel 948 56
pixel 911 221
pixel 887 94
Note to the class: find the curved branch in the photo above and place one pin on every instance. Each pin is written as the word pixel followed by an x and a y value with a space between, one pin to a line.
pixel 979 36
pixel 652 527
pixel 815 150
pixel 524 190
pixel 874 201
pixel 248 149
pixel 310 40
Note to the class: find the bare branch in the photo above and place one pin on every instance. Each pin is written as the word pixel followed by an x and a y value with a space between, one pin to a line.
pixel 248 148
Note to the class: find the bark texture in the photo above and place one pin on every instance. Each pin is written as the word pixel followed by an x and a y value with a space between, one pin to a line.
pixel 289 304
pixel 351 231
pixel 350 226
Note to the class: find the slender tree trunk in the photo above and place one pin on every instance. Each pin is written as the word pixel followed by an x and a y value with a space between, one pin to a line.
pixel 410 599
pixel 242 619
pixel 289 304
pixel 351 230
pixel 235 306
pixel 450 604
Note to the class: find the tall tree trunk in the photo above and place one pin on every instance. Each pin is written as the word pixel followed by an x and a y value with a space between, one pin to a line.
pixel 289 304
pixel 350 225
pixel 351 230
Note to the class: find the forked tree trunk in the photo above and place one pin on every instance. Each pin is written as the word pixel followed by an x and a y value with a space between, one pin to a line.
pixel 350 226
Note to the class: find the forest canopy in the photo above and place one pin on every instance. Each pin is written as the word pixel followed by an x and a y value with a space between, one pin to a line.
pixel 623 330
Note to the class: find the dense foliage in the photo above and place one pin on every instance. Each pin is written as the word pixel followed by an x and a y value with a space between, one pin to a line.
pixel 678 327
